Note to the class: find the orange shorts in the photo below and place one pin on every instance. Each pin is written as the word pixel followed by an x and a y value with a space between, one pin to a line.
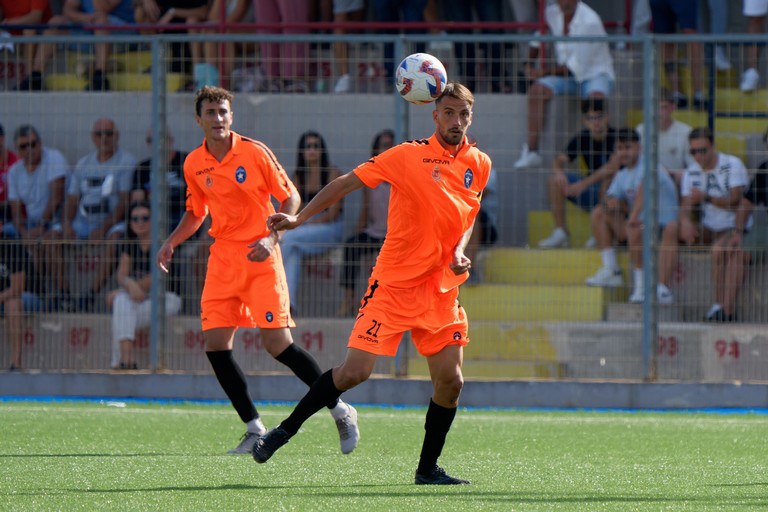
pixel 435 319
pixel 243 293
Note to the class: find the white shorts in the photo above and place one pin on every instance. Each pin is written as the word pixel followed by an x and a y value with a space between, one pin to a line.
pixel 755 7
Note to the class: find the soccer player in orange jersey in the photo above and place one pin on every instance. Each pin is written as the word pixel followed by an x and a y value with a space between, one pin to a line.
pixel 436 186
pixel 233 178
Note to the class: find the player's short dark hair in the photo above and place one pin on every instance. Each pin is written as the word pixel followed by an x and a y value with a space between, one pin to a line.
pixel 458 91
pixel 702 132
pixel 626 134
pixel 212 94
pixel 593 104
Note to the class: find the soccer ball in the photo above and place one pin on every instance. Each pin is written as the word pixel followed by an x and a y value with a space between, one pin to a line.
pixel 420 78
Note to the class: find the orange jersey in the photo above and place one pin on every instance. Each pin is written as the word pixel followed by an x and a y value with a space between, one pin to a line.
pixel 236 190
pixel 434 200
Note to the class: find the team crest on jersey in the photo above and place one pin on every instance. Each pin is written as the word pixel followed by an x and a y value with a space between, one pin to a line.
pixel 457 336
pixel 269 316
pixel 240 175
pixel 436 173
pixel 208 181
pixel 468 178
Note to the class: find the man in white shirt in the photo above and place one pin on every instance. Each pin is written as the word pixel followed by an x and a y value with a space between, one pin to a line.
pixel 716 183
pixel 583 68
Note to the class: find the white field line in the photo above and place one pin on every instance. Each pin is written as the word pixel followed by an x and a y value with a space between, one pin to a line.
pixel 558 418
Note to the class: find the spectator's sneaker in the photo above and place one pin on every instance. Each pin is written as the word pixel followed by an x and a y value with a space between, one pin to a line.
pixel 33 82
pixel 266 446
pixel 638 296
pixel 591 243
pixel 606 278
pixel 438 476
pixel 664 295
pixel 721 59
pixel 680 99
pixel 349 434
pixel 558 238
pixel 750 80
pixel 715 311
pixel 344 84
pixel 700 102
pixel 528 158
pixel 246 442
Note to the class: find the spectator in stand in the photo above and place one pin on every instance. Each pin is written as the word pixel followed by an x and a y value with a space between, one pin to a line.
pixel 206 70
pixel 715 184
pixel 594 147
pixel 25 12
pixel 619 219
pixel 755 11
pixel 668 17
pixel 718 25
pixel 97 199
pixel 7 159
pixel 484 10
pixel 370 231
pixel 313 172
pixel 131 304
pixel 344 11
pixel 285 63
pixel 394 11
pixel 87 13
pixel 757 193
pixel 36 194
pixel 672 142
pixel 17 296
pixel 579 68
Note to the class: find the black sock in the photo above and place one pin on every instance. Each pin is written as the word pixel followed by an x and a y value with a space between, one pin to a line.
pixel 232 380
pixel 303 365
pixel 437 425
pixel 321 393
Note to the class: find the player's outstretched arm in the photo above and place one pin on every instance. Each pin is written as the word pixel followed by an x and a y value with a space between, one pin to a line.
pixel 332 193
pixel 188 226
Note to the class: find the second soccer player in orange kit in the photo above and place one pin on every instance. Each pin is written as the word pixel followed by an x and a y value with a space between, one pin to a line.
pixel 233 178
pixel 435 196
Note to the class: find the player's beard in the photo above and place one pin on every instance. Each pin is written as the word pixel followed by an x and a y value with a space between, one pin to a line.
pixel 452 137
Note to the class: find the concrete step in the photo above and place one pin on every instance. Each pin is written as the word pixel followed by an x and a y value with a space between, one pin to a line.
pixel 541 224
pixel 539 266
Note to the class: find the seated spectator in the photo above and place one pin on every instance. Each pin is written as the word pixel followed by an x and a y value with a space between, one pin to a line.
pixel 7 159
pixel 313 172
pixel 206 69
pixel 131 304
pixel 757 193
pixel 284 63
pixel 669 16
pixel 97 199
pixel 466 56
pixel 627 187
pixel 176 187
pixel 580 68
pixel 87 13
pixel 593 147
pixel 672 142
pixel 344 11
pixel 755 11
pixel 370 231
pixel 25 12
pixel 17 295
pixel 715 185
pixel 36 195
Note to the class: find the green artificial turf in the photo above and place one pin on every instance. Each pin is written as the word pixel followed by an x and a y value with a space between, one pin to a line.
pixel 75 455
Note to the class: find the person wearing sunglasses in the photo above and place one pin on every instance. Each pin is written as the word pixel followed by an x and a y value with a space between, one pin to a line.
pixel 234 179
pixel 130 303
pixel 36 185
pixel 714 186
pixel 97 200
pixel 313 171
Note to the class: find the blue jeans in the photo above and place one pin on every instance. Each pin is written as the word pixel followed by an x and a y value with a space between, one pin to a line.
pixel 307 239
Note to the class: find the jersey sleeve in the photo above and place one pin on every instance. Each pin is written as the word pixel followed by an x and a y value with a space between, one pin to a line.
pixel 195 201
pixel 377 169
pixel 280 185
